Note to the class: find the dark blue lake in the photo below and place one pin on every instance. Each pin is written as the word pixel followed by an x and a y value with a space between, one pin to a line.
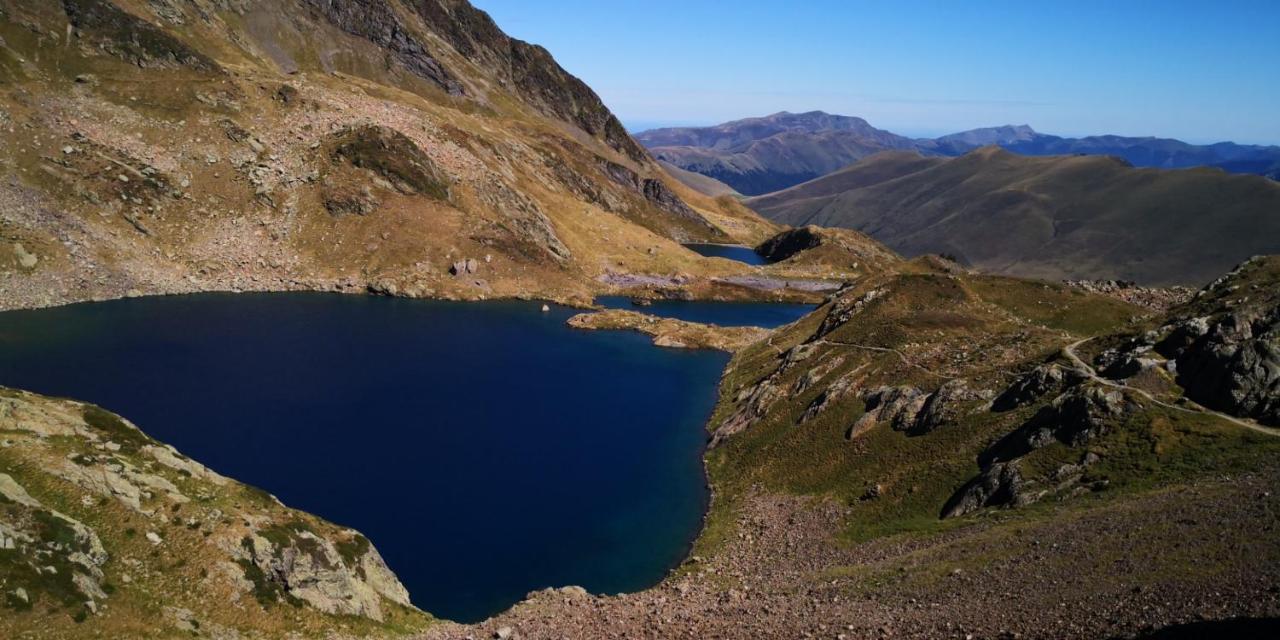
pixel 487 449
pixel 741 254
pixel 726 314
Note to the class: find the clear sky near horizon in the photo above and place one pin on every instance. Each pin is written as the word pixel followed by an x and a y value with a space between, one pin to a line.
pixel 1200 71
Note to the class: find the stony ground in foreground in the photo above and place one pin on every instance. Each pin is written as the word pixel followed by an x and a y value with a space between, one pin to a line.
pixel 785 576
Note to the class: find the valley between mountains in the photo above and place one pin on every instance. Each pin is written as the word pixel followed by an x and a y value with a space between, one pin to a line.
pixel 943 447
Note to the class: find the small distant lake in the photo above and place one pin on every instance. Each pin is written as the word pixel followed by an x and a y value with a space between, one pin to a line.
pixel 732 252
pixel 487 449
pixel 726 314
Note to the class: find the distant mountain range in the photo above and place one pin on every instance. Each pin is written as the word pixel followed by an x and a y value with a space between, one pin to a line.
pixel 760 155
pixel 1075 217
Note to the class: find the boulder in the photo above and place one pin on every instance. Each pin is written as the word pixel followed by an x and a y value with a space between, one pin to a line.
pixel 1073 418
pixel 1034 385
pixel 941 407
pixel 464 267
pixel 898 406
pixel 1000 484
pixel 26 259
pixel 1232 365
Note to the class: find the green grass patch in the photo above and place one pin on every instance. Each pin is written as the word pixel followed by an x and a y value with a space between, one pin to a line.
pixel 115 429
pixel 1054 305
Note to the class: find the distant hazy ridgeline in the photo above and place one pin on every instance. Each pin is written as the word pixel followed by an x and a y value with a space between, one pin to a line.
pixel 760 155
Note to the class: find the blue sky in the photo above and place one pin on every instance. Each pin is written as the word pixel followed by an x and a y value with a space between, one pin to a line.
pixel 1200 71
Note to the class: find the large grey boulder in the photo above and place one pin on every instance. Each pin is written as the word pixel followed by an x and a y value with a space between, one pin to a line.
pixel 942 407
pixel 1035 384
pixel 1233 365
pixel 998 485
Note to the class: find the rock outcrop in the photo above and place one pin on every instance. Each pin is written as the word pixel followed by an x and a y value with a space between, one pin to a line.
pixel 1231 363
pixel 911 410
pixel 525 68
pixel 998 485
pixel 654 191
pixel 395 158
pixel 1073 418
pixel 46 555
pixel 942 407
pixel 378 23
pixel 1035 384
pixel 169 519
pixel 291 563
pixel 102 25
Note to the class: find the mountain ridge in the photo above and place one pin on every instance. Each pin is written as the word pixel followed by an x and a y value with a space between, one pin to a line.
pixel 316 121
pixel 1059 217
pixel 770 153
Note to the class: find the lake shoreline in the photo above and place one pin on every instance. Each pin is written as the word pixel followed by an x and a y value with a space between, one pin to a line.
pixel 700 433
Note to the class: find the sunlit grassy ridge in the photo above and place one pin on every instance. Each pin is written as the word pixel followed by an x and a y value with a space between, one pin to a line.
pixel 922 329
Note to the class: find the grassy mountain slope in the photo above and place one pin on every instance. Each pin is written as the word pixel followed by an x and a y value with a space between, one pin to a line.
pixel 152 146
pixel 698 182
pixel 1056 217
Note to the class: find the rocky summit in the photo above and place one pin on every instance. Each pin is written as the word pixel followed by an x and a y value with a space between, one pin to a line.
pixel 940 447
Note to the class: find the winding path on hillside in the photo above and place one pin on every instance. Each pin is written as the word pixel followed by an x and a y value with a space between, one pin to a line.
pixel 1070 352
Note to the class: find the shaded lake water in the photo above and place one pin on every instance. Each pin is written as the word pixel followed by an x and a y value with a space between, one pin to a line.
pixel 732 252
pixel 487 449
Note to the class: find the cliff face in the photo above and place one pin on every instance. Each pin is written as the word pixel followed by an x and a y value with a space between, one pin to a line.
pixel 528 68
pixel 154 146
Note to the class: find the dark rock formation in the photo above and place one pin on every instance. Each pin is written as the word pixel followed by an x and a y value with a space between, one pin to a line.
pixel 998 485
pixel 898 406
pixel 789 243
pixel 527 69
pixel 911 410
pixel 828 397
pixel 395 157
pixel 942 407
pixel 343 202
pixel 117 32
pixel 654 191
pixel 1231 364
pixel 1035 384
pixel 1074 417
pixel 378 23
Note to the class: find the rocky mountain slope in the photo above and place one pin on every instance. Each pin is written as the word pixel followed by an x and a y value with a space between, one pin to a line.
pixel 761 155
pixel 412 148
pixel 1082 217
pixel 100 523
